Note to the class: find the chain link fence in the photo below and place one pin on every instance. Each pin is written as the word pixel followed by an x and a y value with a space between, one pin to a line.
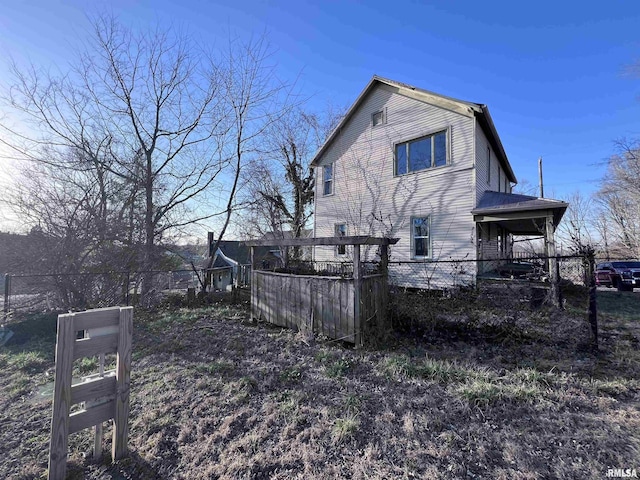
pixel 419 290
pixel 453 273
pixel 64 292
pixel 509 282
pixel 458 273
pixel 498 299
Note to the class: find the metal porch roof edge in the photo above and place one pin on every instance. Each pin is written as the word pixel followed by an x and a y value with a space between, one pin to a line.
pixel 495 202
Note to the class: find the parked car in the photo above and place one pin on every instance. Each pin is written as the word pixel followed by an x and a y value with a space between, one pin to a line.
pixel 624 275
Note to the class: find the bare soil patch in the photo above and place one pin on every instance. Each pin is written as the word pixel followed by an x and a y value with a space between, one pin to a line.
pixel 217 396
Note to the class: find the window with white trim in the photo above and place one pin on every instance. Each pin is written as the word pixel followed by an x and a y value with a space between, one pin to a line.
pixel 341 231
pixel 421 153
pixel 420 237
pixel 327 179
pixel 377 118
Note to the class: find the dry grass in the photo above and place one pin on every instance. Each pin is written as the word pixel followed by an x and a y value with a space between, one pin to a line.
pixel 216 396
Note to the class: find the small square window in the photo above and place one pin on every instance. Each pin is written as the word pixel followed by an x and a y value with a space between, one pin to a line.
pixel 378 118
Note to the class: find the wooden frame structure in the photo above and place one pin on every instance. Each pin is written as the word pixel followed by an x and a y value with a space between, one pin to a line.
pixel 106 330
pixel 334 306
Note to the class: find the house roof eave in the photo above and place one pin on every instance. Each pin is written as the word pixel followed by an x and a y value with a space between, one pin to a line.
pixel 486 122
pixel 345 119
pixel 468 107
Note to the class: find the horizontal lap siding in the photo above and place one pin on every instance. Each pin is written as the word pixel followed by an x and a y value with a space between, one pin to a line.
pixel 497 183
pixel 372 201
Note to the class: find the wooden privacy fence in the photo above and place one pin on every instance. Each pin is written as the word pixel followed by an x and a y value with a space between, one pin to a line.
pixel 104 331
pixel 340 308
pixel 323 305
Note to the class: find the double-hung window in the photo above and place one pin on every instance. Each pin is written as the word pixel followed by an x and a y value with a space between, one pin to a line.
pixel 327 179
pixel 488 165
pixel 420 237
pixel 421 153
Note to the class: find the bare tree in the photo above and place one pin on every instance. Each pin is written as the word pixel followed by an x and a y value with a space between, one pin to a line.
pixel 170 124
pixel 619 196
pixel 279 191
pixel 577 229
pixel 253 101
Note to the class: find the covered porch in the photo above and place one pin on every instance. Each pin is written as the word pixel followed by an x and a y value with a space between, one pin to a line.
pixel 501 216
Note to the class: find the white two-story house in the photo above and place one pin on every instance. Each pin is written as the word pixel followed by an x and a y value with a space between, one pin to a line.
pixel 429 170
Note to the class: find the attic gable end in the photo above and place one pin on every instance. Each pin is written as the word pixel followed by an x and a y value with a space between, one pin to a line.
pixel 434 100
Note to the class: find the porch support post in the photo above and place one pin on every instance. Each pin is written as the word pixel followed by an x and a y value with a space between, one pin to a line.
pixel 553 260
pixel 384 259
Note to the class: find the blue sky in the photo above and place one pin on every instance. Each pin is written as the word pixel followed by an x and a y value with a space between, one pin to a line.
pixel 554 74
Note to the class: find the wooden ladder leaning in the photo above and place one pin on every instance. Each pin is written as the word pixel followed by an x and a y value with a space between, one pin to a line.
pixel 106 330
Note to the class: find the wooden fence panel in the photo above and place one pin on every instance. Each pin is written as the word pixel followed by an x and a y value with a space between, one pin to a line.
pixel 324 305
pixel 350 326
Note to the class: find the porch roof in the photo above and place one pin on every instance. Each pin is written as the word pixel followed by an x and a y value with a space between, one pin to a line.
pixel 520 214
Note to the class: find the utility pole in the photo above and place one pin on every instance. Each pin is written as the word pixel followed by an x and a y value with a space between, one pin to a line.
pixel 540 177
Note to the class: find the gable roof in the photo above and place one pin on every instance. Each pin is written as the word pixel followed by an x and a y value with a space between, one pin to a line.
pixel 480 111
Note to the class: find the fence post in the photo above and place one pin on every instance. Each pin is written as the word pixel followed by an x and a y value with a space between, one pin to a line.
pixel 128 286
pixel 357 297
pixel 559 279
pixel 593 308
pixel 7 294
pixel 254 288
pixel 552 261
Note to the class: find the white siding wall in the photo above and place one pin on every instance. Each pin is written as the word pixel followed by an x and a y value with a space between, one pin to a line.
pixel 372 201
pixel 498 182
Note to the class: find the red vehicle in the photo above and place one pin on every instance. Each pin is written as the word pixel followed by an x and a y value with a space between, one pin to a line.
pixel 623 275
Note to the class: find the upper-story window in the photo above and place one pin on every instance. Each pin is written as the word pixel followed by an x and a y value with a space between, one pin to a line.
pixel 488 165
pixel 421 153
pixel 327 179
pixel 377 118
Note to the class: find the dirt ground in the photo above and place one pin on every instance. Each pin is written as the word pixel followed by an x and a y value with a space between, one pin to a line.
pixel 217 396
